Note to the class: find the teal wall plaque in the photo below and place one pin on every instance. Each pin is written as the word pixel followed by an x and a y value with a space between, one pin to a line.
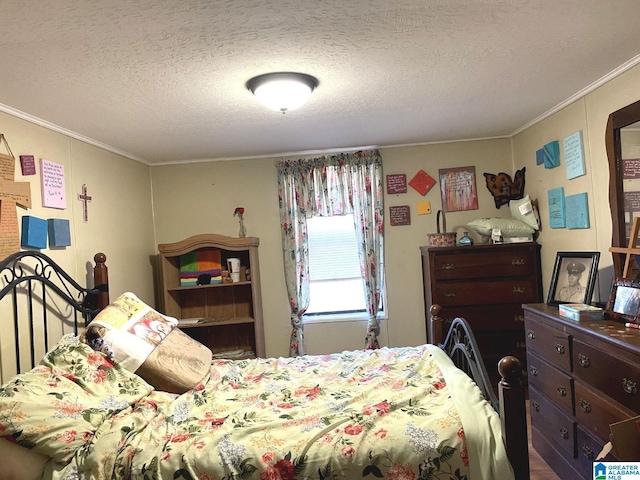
pixel 549 155
pixel 577 211
pixel 556 207
pixel 574 155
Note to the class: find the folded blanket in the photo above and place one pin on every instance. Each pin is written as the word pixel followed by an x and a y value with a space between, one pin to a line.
pixel 148 343
pixel 202 262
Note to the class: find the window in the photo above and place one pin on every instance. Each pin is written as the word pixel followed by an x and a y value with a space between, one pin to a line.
pixel 334 268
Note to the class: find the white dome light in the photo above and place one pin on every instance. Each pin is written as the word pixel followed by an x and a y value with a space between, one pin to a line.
pixel 282 91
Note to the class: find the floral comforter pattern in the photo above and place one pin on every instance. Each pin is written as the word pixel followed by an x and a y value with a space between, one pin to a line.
pixel 384 413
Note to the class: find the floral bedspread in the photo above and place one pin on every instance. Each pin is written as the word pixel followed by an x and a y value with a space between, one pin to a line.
pixel 386 413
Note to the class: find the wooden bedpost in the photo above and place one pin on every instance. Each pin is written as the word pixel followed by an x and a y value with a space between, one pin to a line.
pixel 436 328
pixel 513 415
pixel 101 279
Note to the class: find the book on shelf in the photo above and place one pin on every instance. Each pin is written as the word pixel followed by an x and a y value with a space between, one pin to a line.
pixel 189 321
pixel 580 311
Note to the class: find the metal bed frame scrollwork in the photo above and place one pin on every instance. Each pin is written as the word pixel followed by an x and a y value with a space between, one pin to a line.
pixel 33 280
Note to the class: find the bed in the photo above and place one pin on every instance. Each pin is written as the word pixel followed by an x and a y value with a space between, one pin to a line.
pixel 390 413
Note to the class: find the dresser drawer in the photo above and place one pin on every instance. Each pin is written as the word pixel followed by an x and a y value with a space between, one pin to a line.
pixel 595 412
pixel 493 263
pixel 555 424
pixel 506 342
pixel 553 383
pixel 519 290
pixel 487 317
pixel 618 379
pixel 549 343
pixel 588 449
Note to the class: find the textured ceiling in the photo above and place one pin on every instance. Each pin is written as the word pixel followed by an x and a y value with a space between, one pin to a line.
pixel 164 80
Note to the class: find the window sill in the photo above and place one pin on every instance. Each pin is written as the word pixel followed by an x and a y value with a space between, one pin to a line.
pixel 340 317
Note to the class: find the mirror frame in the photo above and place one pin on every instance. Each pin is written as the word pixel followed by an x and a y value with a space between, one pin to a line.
pixel 617 120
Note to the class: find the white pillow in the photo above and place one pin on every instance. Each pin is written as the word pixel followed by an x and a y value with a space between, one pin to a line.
pixel 508 227
pixel 525 211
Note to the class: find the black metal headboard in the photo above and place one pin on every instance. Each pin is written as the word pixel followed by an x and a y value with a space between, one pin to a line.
pixel 460 345
pixel 39 289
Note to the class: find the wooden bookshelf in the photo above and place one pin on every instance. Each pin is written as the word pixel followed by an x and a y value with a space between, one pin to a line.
pixel 226 317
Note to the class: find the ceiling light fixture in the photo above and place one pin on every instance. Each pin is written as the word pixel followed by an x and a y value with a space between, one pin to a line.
pixel 282 91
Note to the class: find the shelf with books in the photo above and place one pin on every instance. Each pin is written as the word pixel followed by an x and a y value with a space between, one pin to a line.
pixel 222 316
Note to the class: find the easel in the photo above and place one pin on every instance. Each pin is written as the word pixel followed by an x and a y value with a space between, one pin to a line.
pixel 631 250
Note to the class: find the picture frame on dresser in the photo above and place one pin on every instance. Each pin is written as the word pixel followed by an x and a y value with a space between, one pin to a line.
pixel 573 278
pixel 624 301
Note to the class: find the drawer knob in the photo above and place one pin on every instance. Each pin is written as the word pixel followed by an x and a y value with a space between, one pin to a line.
pixel 562 391
pixel 587 452
pixel 583 360
pixel 450 294
pixel 535 405
pixel 564 433
pixel 533 371
pixel 585 406
pixel 531 335
pixel 519 290
pixel 559 348
pixel 518 318
pixel 448 266
pixel 629 386
pixel 518 261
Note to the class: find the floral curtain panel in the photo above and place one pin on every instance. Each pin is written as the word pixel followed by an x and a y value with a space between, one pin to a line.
pixel 331 185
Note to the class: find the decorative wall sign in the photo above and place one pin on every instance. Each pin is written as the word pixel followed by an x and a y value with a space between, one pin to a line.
pixel 423 207
pixel 34 232
pixel 631 168
pixel 577 211
pixel 503 189
pixel 556 208
pixel 54 194
pixel 396 183
pixel 632 202
pixel 12 193
pixel 59 232
pixel 458 189
pixel 27 165
pixel 400 215
pixel 574 155
pixel 422 182
pixel 549 155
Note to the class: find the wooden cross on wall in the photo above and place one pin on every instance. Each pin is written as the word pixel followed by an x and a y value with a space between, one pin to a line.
pixel 12 193
pixel 84 198
pixel 631 250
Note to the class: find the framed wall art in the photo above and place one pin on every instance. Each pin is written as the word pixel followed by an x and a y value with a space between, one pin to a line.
pixel 458 189
pixel 574 277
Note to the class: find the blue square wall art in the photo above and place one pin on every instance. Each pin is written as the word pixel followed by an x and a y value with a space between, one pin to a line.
pixel 59 232
pixel 577 211
pixel 34 232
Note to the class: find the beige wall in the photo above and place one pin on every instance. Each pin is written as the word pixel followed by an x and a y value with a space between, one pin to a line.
pixel 130 200
pixel 201 197
pixel 120 214
pixel 590 115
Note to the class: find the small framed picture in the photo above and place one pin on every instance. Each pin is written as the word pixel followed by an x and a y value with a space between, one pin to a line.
pixel 574 277
pixel 624 301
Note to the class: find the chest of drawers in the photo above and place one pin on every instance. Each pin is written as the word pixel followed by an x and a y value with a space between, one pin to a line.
pixel 487 285
pixel 583 376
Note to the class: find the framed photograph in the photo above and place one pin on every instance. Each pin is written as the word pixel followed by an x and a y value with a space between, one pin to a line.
pixel 624 301
pixel 574 277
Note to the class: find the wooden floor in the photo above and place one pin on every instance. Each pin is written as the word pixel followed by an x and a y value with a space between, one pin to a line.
pixel 538 469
